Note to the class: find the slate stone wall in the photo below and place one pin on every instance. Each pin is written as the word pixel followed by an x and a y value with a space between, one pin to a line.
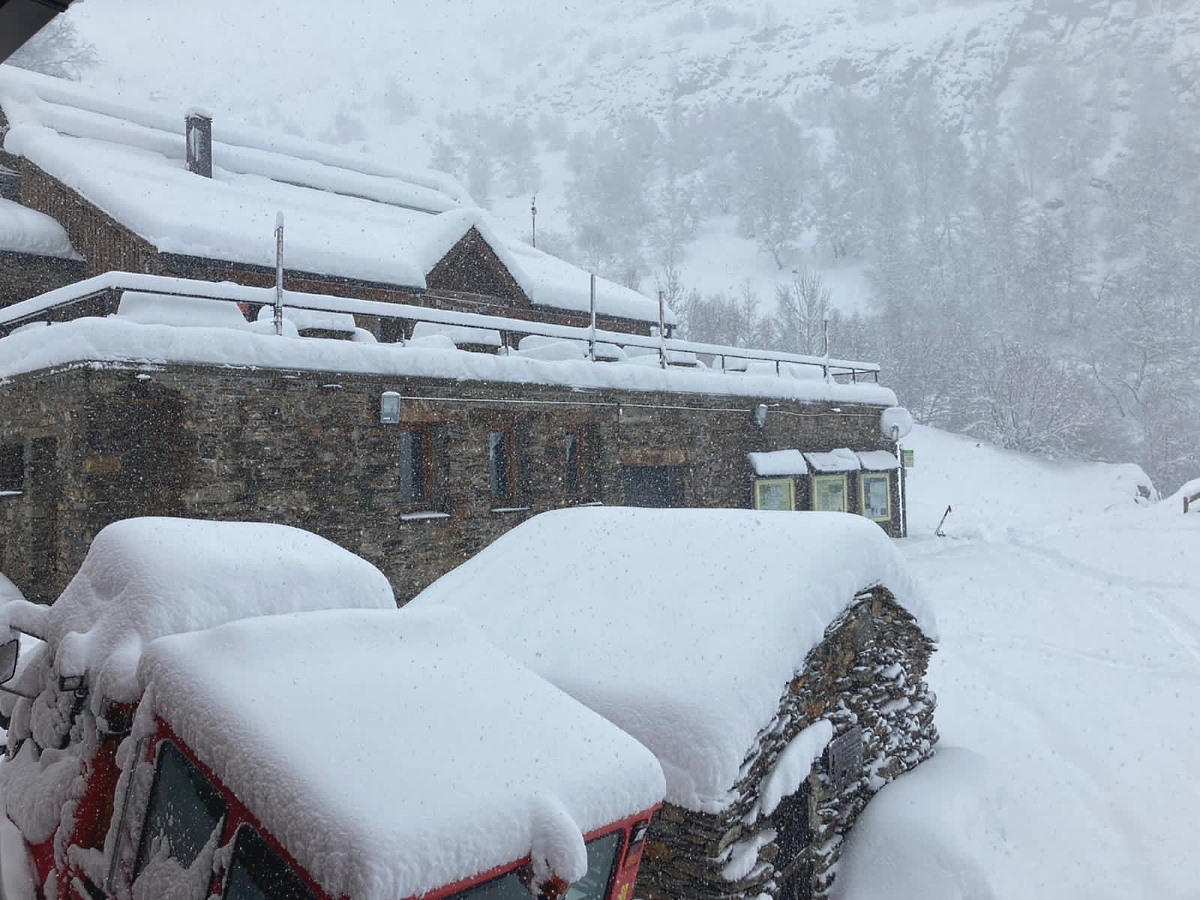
pixel 25 275
pixel 100 239
pixel 867 673
pixel 308 449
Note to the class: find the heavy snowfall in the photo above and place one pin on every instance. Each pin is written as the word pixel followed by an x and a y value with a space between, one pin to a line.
pixel 997 200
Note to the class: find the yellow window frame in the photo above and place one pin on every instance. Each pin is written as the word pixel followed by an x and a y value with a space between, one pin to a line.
pixel 764 485
pixel 818 480
pixel 862 494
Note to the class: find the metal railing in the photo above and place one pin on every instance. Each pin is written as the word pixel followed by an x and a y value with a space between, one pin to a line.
pixel 101 296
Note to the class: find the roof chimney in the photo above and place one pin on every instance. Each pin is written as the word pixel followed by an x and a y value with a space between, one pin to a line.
pixel 199 142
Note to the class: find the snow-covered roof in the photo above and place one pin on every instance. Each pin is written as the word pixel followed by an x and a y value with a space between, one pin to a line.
pixel 345 215
pixel 119 340
pixel 25 230
pixel 681 626
pixel 778 462
pixel 148 577
pixel 395 752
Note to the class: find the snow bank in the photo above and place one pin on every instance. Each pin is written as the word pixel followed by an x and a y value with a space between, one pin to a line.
pixel 186 312
pixel 995 492
pixel 149 577
pixel 932 834
pixel 28 231
pixel 680 626
pixel 395 751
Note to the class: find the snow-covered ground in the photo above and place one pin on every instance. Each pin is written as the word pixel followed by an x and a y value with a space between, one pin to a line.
pixel 1068 680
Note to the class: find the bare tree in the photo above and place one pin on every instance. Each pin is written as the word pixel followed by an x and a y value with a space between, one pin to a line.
pixel 56 50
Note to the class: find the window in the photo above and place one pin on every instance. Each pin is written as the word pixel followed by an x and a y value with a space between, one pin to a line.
pixel 774 493
pixel 12 467
pixel 601 857
pixel 506 887
pixel 875 489
pixel 415 455
pixel 184 809
pixel 257 872
pixel 595 885
pixel 501 474
pixel 574 463
pixel 829 493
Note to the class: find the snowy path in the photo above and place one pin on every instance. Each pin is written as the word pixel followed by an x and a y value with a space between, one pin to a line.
pixel 1068 683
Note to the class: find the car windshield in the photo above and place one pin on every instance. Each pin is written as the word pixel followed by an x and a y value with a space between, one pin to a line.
pixel 601 856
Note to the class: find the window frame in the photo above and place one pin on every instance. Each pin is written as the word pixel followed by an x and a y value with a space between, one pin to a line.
pixel 422 465
pixel 508 435
pixel 577 481
pixel 12 468
pixel 862 494
pixel 828 478
pixel 762 484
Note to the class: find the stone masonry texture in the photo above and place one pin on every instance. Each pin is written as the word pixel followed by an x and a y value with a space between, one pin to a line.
pixel 307 449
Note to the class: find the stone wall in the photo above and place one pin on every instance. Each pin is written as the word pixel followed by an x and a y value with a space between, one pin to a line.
pixel 868 673
pixel 308 449
pixel 25 275
pixel 98 237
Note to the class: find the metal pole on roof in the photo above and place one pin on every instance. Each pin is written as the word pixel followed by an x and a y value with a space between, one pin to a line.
pixel 533 220
pixel 825 330
pixel 592 331
pixel 279 273
pixel 662 329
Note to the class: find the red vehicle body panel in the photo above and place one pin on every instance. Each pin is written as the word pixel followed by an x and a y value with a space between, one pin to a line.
pixel 99 804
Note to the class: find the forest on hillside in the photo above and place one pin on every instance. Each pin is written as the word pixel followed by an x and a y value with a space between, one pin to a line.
pixel 1033 273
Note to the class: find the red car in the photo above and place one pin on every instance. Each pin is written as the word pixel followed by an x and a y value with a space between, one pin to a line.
pixel 350 753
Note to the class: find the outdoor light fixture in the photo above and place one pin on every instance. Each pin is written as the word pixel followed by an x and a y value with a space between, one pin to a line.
pixel 760 415
pixel 389 408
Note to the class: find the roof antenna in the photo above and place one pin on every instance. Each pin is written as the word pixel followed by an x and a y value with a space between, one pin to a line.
pixel 533 219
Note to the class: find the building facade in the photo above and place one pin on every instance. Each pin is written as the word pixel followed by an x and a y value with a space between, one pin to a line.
pixel 83 445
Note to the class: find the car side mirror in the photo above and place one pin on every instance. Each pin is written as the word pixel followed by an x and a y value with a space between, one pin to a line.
pixel 8 660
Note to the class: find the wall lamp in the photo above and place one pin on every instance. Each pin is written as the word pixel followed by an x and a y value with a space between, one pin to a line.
pixel 389 408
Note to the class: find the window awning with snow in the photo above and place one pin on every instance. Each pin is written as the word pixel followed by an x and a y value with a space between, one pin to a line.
pixel 778 463
pixel 878 460
pixel 840 460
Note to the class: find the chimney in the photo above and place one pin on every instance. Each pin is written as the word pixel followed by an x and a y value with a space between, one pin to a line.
pixel 199 142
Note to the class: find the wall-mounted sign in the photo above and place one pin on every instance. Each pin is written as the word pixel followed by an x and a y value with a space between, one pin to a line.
pixel 907 458
pixel 844 758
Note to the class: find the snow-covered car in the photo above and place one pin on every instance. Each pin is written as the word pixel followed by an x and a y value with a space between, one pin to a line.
pixel 238 710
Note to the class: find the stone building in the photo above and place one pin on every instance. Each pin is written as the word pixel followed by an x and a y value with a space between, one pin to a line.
pixel 149 190
pixel 414 455
pixel 162 387
pixel 773 663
